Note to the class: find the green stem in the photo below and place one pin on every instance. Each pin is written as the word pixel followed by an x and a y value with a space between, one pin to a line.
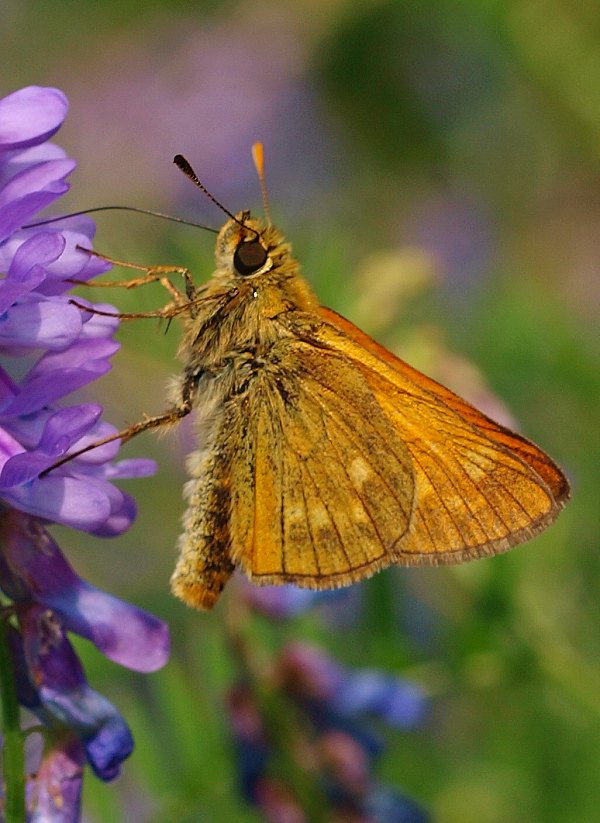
pixel 14 756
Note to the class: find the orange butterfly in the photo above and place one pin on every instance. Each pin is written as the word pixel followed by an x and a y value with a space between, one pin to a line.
pixel 322 457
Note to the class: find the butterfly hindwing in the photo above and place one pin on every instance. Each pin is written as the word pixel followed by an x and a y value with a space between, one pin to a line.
pixel 332 482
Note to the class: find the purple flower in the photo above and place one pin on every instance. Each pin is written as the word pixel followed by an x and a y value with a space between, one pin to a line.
pixel 340 694
pixel 384 805
pixel 370 692
pixel 332 706
pixel 57 347
pixel 285 602
pixel 339 703
pixel 55 794
pixel 339 698
pixel 33 570
pixel 250 739
pixel 332 715
pixel 51 348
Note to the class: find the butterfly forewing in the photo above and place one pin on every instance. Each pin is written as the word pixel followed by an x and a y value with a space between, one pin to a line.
pixel 342 335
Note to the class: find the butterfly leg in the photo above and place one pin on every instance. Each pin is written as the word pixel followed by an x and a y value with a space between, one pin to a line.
pixel 166 313
pixel 182 406
pixel 167 418
pixel 152 274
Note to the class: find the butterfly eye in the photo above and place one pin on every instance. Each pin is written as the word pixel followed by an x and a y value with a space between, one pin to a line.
pixel 249 257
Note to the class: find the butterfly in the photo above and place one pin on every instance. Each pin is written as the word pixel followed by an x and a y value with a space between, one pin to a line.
pixel 322 457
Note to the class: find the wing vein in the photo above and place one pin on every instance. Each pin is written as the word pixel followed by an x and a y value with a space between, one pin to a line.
pixel 324 501
pixel 479 490
pixel 506 489
pixel 350 433
pixel 442 501
pixel 308 526
pixel 365 508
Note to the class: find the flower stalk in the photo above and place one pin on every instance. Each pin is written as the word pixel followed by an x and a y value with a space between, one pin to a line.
pixel 14 739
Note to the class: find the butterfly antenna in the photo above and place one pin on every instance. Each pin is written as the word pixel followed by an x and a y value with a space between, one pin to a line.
pixel 184 166
pixel 258 157
pixel 121 208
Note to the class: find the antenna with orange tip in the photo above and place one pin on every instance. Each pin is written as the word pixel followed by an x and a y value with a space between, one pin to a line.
pixel 258 157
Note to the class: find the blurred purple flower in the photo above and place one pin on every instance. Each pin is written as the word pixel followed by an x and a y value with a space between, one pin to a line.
pixel 55 794
pixel 50 349
pixel 384 805
pixel 332 704
pixel 337 718
pixel 250 739
pixel 285 602
pixel 339 694
pixel 212 73
pixel 456 229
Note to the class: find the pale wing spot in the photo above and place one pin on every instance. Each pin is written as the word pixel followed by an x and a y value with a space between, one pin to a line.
pixel 359 472
pixel 359 515
pixel 319 516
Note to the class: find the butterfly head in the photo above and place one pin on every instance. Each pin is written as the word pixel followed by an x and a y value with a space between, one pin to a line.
pixel 247 248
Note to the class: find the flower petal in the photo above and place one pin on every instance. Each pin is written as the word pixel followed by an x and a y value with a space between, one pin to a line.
pixel 18 213
pixel 51 324
pixel 47 388
pixel 46 176
pixel 12 290
pixel 8 446
pixel 67 426
pixel 41 249
pixel 66 697
pixel 30 116
pixel 396 701
pixel 71 501
pixel 79 354
pixel 54 794
pixel 111 743
pixel 123 633
pixel 122 514
pixel 97 326
pixel 62 430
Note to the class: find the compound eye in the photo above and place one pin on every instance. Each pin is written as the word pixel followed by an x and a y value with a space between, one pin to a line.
pixel 249 257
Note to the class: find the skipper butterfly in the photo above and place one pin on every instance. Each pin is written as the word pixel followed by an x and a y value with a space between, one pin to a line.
pixel 322 457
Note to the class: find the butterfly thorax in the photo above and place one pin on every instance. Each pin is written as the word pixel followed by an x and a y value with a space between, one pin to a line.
pixel 235 317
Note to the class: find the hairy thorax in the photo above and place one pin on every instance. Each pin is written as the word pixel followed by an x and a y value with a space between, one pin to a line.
pixel 235 325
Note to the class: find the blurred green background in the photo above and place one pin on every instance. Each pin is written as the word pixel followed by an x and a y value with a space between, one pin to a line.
pixel 461 141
